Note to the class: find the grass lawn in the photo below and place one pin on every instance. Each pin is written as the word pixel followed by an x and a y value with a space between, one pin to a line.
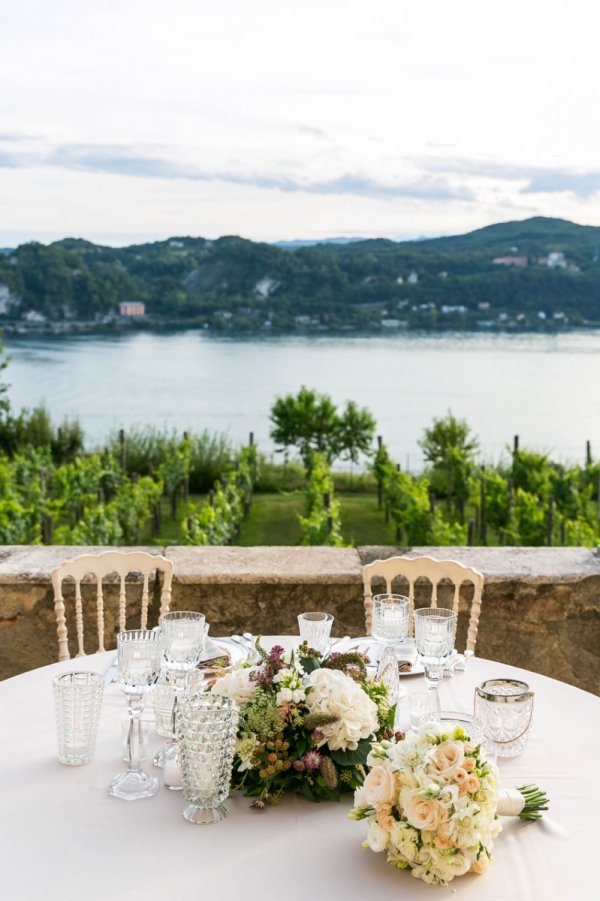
pixel 273 519
pixel 363 522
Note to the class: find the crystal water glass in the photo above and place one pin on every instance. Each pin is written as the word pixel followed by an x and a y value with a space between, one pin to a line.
pixel 435 629
pixel 315 629
pixel 182 642
pixel 77 703
pixel 206 727
pixel 505 707
pixel 138 656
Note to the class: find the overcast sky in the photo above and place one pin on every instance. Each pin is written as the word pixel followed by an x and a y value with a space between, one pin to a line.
pixel 129 120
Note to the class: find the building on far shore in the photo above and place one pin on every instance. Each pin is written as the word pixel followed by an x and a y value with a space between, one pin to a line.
pixel 132 308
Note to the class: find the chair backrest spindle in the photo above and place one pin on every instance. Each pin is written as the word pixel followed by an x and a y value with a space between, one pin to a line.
pixel 100 565
pixel 435 571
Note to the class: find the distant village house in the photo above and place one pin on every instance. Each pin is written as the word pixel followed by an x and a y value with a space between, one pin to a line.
pixel 520 262
pixel 130 308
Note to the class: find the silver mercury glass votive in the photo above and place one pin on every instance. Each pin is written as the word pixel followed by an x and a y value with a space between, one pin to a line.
pixel 505 706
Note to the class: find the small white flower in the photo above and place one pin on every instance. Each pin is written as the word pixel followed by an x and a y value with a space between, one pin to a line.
pixel 377 838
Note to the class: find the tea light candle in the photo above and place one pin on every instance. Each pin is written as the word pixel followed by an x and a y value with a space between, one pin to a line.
pixel 181 648
pixel 394 621
pixel 172 772
pixel 137 665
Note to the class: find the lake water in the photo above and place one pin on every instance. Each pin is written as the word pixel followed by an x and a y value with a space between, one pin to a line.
pixel 542 387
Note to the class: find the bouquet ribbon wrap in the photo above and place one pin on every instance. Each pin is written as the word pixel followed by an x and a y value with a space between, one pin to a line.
pixel 510 803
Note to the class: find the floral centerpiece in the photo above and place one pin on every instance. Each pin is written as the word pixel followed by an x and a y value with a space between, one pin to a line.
pixel 432 802
pixel 306 723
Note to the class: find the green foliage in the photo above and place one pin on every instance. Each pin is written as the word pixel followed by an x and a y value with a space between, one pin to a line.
pixel 311 423
pixel 273 477
pixel 34 429
pixel 531 472
pixel 449 448
pixel 321 525
pixel 219 522
pixel 513 515
pixel 206 454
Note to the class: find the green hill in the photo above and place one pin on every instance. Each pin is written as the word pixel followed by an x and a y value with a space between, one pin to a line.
pixel 235 283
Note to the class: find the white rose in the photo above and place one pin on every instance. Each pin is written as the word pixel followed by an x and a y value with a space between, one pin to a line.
pixel 422 813
pixel 237 685
pixel 333 693
pixel 404 838
pixel 377 838
pixel 380 786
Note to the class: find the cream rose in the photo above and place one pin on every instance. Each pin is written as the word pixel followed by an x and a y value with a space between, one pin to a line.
pixel 379 786
pixel 472 784
pixel 447 758
pixel 422 813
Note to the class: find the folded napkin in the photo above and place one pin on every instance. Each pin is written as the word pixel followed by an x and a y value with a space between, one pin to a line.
pixel 212 651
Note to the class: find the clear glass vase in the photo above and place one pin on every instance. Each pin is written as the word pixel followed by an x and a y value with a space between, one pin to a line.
pixel 206 727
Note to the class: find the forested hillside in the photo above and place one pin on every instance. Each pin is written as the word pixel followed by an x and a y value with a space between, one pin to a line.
pixel 508 275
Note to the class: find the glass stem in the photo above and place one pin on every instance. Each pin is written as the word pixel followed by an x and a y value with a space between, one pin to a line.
pixel 433 687
pixel 134 736
pixel 434 673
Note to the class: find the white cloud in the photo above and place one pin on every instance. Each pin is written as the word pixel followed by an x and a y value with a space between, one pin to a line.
pixel 278 121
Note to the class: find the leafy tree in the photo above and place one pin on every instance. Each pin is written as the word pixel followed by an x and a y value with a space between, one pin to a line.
pixel 310 422
pixel 449 447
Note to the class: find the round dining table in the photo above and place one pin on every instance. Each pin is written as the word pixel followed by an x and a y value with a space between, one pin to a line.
pixel 63 838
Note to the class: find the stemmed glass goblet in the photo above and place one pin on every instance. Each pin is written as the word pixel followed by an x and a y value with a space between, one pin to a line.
pixel 138 655
pixel 435 628
pixel 182 643
pixel 390 625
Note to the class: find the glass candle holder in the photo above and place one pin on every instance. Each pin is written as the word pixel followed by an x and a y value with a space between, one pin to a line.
pixel 77 703
pixel 315 628
pixel 450 719
pixel 183 638
pixel 506 708
pixel 390 618
pixel 206 727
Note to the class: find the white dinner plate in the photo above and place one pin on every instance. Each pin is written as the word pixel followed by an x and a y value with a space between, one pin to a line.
pixel 406 651
pixel 236 653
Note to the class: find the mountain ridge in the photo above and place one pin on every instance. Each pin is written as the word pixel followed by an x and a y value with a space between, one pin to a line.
pixel 535 268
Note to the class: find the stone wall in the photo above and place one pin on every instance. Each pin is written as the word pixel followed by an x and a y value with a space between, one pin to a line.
pixel 541 607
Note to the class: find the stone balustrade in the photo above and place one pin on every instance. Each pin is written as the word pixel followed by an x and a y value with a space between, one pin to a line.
pixel 541 607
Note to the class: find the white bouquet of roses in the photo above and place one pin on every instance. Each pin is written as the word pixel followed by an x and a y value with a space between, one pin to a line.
pixel 432 802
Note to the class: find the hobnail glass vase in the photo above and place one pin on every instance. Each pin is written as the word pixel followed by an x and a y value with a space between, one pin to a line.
pixel 206 729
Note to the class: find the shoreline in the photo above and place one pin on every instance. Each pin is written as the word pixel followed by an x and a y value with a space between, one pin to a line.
pixel 81 328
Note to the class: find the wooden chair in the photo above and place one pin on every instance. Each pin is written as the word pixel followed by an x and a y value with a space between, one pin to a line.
pixel 100 565
pixel 434 571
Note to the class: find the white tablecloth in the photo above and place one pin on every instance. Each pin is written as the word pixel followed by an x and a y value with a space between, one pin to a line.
pixel 62 837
